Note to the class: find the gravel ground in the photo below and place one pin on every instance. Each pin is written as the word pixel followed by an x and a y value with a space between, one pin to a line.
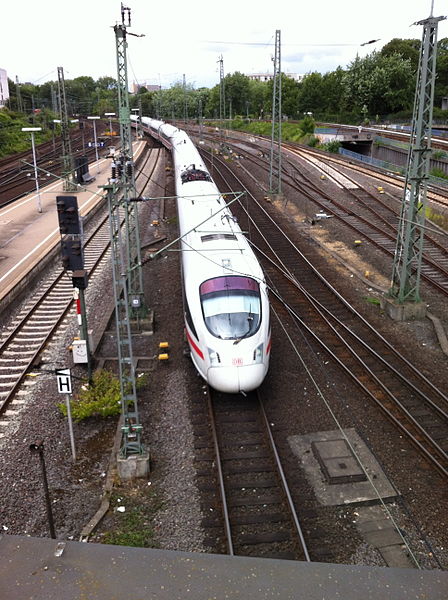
pixel 169 503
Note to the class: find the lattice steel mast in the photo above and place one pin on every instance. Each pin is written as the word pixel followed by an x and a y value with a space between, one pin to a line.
pixel 131 441
pixel 125 174
pixel 19 96
pixel 275 166
pixel 67 158
pixel 126 268
pixel 405 284
pixel 222 91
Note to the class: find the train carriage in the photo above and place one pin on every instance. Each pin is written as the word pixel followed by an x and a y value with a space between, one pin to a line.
pixel 227 317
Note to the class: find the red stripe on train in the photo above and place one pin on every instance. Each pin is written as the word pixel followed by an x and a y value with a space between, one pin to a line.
pixel 194 345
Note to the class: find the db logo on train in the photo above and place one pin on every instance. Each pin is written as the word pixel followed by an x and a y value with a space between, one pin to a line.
pixel 237 362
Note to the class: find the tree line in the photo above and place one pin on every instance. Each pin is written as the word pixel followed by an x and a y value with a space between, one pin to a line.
pixel 378 87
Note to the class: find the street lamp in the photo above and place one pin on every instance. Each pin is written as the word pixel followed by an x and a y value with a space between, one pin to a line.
pixel 110 115
pixel 94 119
pixel 32 130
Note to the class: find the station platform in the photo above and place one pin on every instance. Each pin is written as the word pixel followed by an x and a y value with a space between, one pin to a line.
pixel 27 235
pixel 45 569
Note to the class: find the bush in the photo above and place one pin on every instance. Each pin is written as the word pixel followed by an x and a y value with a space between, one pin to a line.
pixel 100 399
pixel 332 146
pixel 436 172
pixel 438 154
pixel 313 142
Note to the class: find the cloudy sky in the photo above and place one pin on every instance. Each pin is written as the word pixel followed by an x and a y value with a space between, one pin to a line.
pixel 188 37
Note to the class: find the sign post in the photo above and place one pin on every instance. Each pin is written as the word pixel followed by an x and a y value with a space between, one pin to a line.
pixel 65 387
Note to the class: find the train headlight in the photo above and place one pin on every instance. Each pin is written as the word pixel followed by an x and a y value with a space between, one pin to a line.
pixel 258 354
pixel 213 357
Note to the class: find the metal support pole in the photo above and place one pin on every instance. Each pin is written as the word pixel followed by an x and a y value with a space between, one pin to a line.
pixel 406 274
pixel 127 177
pixel 39 447
pixel 96 146
pixel 39 204
pixel 275 167
pixel 132 430
pixel 67 158
pixel 70 426
pixel 85 331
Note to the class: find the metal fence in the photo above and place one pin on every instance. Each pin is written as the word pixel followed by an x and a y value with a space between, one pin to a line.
pixel 382 164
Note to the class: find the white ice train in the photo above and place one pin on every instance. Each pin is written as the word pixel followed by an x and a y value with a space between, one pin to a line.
pixel 225 297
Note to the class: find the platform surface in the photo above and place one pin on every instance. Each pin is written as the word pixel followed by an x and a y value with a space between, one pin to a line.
pixel 44 569
pixel 27 235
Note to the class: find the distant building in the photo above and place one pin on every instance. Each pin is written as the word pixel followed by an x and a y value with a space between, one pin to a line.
pixel 268 76
pixel 445 103
pixel 136 87
pixel 4 88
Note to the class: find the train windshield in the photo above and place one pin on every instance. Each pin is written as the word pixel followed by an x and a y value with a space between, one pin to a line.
pixel 231 307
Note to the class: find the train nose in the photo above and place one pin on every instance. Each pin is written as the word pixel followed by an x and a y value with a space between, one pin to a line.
pixel 233 380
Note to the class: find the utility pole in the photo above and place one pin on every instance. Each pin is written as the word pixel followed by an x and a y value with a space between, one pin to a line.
pixel 125 172
pixel 185 100
pixel 200 117
pixel 275 166
pixel 126 268
pixel 131 440
pixel 67 158
pixel 54 99
pixel 19 96
pixel 222 91
pixel 405 282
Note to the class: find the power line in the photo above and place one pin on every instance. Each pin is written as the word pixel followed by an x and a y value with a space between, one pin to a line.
pixel 273 44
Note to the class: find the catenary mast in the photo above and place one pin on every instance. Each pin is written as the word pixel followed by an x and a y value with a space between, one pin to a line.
pixel 275 165
pixel 405 281
pixel 125 172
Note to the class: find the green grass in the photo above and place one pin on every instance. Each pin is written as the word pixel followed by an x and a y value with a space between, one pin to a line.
pixel 134 526
pixel 134 530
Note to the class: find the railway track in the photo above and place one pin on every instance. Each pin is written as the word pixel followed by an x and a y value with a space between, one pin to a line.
pixel 236 453
pixel 28 335
pixel 17 174
pixel 436 194
pixel 367 214
pixel 413 403
pixel 377 221
pixel 34 326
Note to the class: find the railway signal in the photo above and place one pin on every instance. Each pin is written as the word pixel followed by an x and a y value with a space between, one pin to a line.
pixel 67 207
pixel 70 226
pixel 72 254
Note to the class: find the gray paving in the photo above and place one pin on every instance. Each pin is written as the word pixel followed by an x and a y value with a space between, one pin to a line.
pixel 341 460
pixel 44 569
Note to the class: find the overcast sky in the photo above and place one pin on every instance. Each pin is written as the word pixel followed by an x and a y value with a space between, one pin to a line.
pixel 187 37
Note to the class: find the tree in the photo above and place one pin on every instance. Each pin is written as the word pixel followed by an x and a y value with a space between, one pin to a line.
pixel 441 90
pixel 290 96
pixel 259 98
pixel 237 93
pixel 332 90
pixel 310 94
pixel 407 49
pixel 107 84
pixel 385 84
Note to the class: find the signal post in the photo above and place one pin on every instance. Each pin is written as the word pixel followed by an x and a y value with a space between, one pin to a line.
pixel 70 227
